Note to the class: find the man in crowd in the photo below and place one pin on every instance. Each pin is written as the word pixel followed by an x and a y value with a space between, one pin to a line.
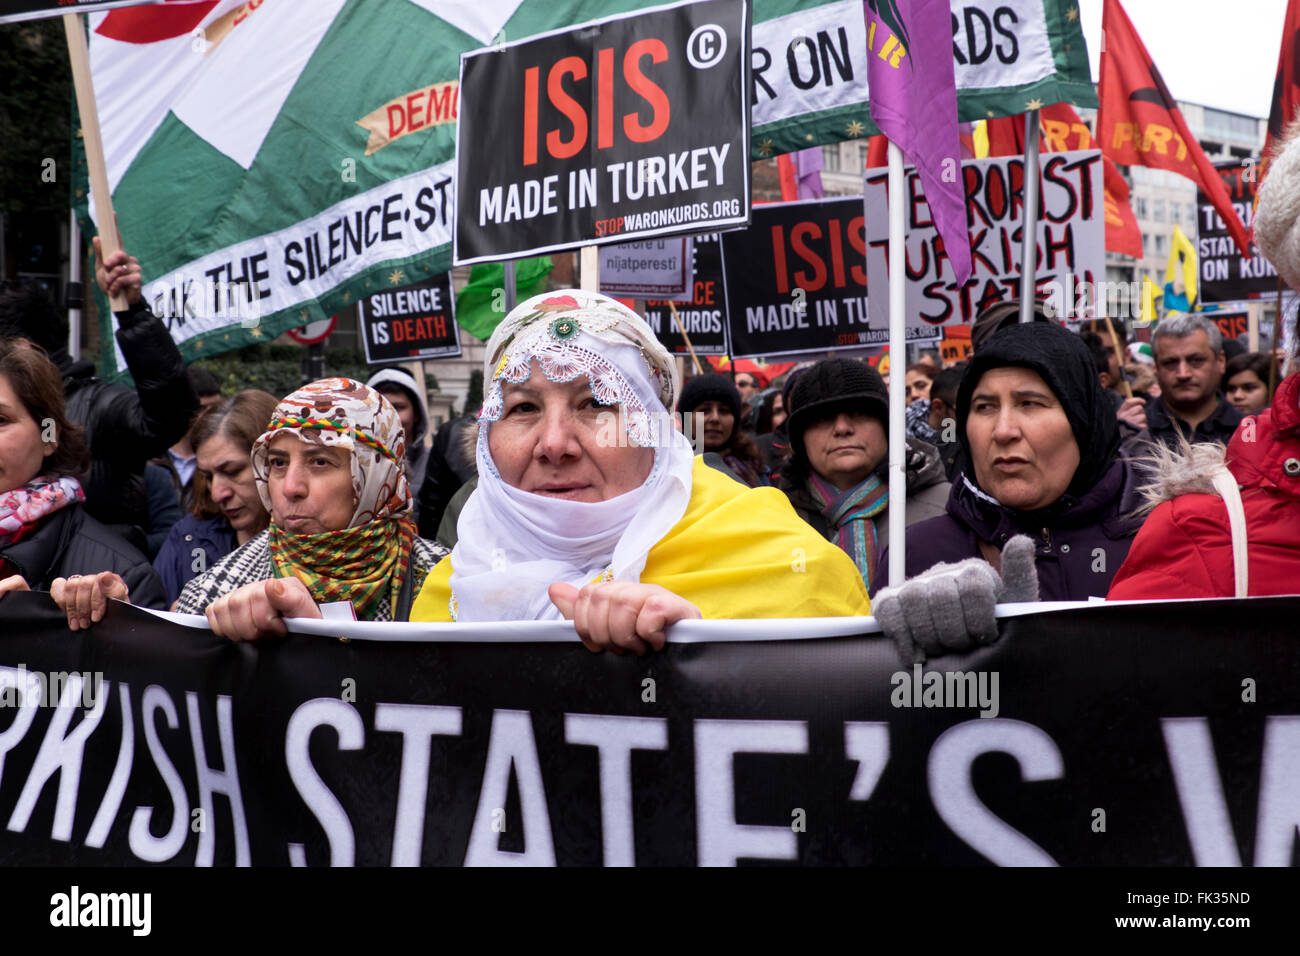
pixel 748 385
pixel 943 416
pixel 1189 366
pixel 402 391
pixel 125 427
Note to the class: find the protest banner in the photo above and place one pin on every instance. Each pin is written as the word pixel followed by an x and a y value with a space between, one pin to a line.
pixel 1232 320
pixel 635 125
pixel 657 268
pixel 703 313
pixel 197 135
pixel 414 322
pixel 810 66
pixel 1225 273
pixel 796 279
pixel 1071 241
pixel 1144 734
pixel 11 11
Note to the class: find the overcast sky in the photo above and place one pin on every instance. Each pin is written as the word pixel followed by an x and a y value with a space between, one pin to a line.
pixel 1208 51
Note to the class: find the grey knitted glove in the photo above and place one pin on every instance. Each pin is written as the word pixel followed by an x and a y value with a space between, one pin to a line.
pixel 950 607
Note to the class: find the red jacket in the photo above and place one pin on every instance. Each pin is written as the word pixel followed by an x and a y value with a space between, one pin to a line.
pixel 1184 550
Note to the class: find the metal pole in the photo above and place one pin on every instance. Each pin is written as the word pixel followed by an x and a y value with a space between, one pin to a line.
pixel 1029 246
pixel 897 385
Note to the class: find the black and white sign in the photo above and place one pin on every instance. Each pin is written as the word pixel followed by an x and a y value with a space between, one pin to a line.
pixel 1071 239
pixel 623 128
pixel 650 268
pixel 411 323
pixel 1225 273
pixel 1143 735
pixel 703 313
pixel 797 279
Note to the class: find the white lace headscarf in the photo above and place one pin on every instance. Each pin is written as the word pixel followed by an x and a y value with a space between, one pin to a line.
pixel 512 544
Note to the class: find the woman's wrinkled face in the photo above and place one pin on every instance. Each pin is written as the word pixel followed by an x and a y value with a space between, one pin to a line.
pixel 555 439
pixel 1246 392
pixel 1022 447
pixel 22 453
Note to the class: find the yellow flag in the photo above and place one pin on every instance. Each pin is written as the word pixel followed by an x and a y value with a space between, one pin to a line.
pixel 980 139
pixel 1182 261
pixel 1150 292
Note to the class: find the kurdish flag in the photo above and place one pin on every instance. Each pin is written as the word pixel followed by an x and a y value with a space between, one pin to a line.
pixel 272 161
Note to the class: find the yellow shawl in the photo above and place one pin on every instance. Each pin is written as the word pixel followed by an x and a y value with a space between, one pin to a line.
pixel 737 552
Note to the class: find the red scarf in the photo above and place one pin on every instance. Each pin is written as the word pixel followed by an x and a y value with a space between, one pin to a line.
pixel 23 508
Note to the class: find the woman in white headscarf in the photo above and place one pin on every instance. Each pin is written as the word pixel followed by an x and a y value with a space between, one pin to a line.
pixel 592 506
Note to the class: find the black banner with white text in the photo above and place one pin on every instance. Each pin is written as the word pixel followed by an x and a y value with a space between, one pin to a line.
pixel 1141 734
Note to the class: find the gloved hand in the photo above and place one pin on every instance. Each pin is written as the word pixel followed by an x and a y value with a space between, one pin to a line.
pixel 950 607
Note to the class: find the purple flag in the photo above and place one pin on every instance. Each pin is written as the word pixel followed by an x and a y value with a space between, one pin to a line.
pixel 914 102
pixel 808 168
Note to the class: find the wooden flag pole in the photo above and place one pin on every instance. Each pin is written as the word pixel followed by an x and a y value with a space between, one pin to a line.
pixel 107 221
pixel 672 307
pixel 508 280
pixel 1029 243
pixel 589 269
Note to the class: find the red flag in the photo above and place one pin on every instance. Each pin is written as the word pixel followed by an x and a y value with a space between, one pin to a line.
pixel 1286 86
pixel 789 177
pixel 877 152
pixel 1139 124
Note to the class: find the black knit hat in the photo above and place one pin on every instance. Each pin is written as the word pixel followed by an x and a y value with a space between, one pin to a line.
pixel 832 386
pixel 710 388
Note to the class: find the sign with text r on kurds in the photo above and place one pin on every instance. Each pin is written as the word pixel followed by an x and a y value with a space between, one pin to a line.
pixel 1226 274
pixel 627 127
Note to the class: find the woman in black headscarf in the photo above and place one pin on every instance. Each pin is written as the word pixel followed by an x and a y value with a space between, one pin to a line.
pixel 1040 457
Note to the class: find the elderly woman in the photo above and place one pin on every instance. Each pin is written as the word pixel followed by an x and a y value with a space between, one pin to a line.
pixel 47 538
pixel 228 510
pixel 1043 472
pixel 591 506
pixel 328 469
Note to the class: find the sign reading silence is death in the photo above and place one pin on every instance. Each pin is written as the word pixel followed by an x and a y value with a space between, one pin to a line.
pixel 414 322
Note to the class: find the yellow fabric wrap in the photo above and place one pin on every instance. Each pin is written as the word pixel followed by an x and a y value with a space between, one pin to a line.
pixel 737 552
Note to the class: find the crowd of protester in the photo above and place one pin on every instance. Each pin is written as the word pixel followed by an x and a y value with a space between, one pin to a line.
pixel 594 485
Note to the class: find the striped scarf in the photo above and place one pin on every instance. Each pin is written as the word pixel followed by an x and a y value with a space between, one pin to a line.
pixel 850 513
pixel 361 564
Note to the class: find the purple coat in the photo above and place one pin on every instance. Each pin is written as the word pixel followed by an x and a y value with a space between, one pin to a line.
pixel 1081 541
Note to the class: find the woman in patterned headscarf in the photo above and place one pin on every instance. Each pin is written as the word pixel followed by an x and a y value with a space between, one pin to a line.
pixel 328 468
pixel 591 506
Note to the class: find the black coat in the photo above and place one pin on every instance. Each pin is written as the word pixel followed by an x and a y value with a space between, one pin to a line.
pixel 1080 542
pixel 1166 427
pixel 126 427
pixel 70 541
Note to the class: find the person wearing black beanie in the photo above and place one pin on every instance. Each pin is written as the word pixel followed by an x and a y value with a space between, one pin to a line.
pixel 1040 457
pixel 713 401
pixel 836 478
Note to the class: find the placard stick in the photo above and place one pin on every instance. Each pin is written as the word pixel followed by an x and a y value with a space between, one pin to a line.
pixel 672 307
pixel 589 269
pixel 1029 243
pixel 897 513
pixel 1119 357
pixel 106 220
pixel 1252 327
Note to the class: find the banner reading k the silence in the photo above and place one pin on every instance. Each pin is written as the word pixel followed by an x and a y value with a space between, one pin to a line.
pixel 632 126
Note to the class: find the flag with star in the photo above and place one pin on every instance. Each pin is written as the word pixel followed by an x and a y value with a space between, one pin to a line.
pixel 273 160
